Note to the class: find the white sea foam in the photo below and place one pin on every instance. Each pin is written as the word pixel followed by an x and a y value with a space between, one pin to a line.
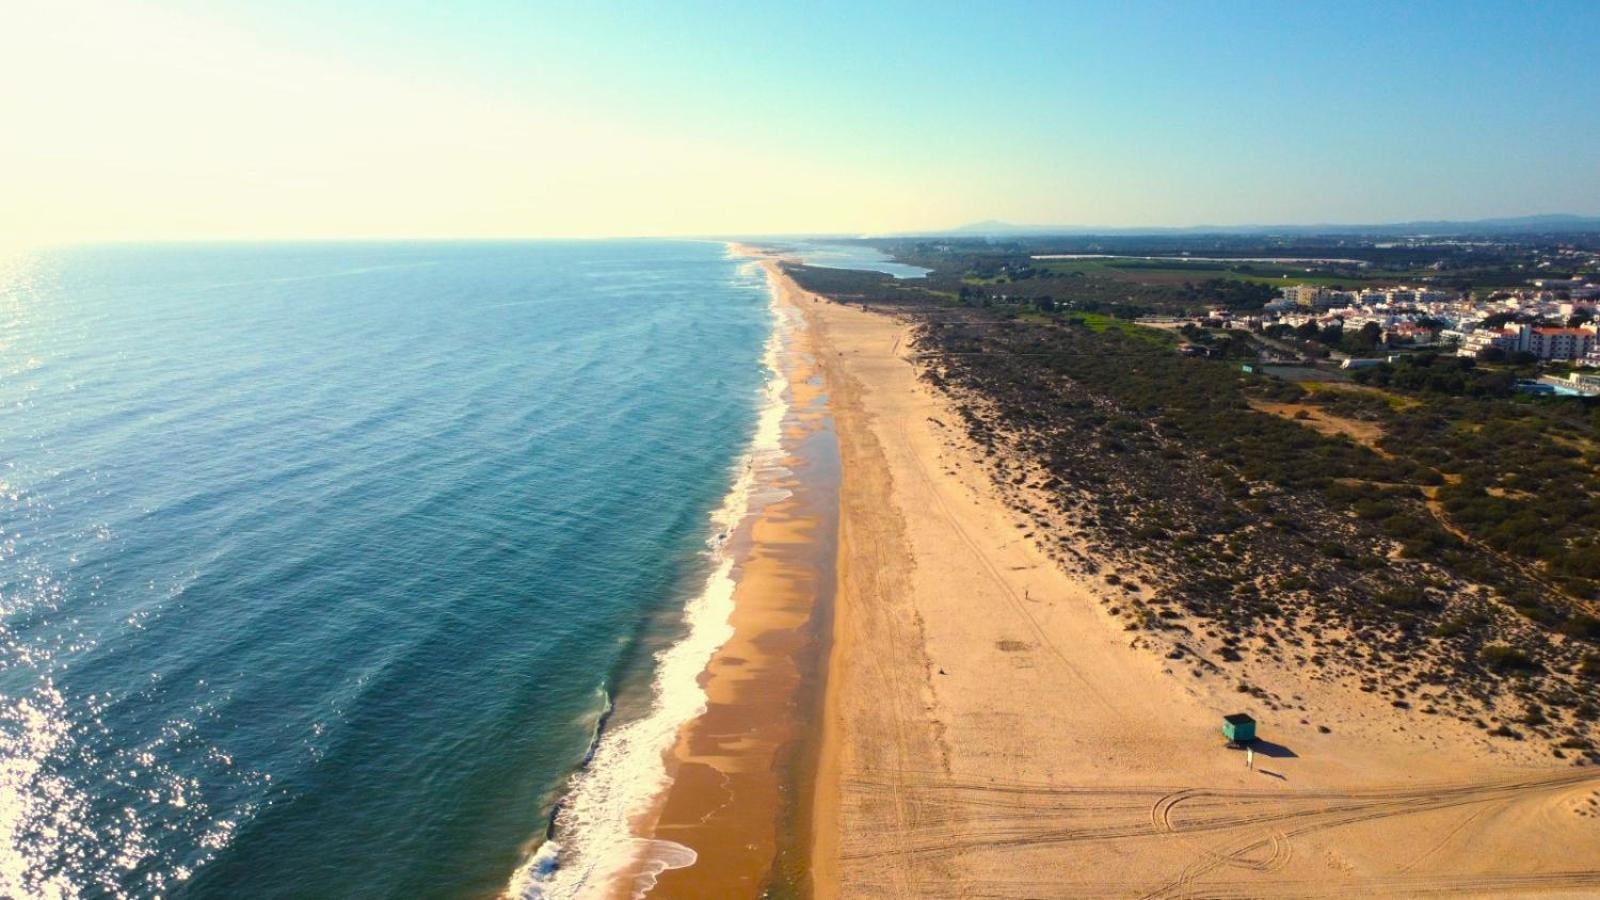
pixel 593 844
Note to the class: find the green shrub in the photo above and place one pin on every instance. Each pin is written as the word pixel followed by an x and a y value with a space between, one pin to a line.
pixel 1407 599
pixel 1504 658
pixel 1583 627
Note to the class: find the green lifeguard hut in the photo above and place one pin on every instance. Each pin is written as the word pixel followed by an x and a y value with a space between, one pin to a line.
pixel 1239 728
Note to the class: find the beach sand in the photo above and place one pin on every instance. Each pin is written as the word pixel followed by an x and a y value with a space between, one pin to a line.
pixel 984 727
pixel 991 731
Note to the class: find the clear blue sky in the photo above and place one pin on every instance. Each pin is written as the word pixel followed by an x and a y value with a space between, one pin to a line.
pixel 518 118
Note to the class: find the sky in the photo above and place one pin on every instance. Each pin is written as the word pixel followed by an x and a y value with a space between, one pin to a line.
pixel 179 119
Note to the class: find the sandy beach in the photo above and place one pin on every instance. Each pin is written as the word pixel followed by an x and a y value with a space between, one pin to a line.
pixel 991 730
pixel 920 700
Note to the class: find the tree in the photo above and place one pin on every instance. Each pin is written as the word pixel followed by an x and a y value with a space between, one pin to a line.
pixel 1365 339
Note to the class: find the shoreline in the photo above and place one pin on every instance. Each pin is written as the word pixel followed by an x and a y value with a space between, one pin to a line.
pixel 738 768
pixel 618 824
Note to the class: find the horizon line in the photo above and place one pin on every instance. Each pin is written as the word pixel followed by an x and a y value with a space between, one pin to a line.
pixel 970 229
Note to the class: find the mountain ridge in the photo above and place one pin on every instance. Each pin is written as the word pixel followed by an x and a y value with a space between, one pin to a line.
pixel 1530 224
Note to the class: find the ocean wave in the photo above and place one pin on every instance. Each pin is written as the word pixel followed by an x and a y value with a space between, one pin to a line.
pixel 591 844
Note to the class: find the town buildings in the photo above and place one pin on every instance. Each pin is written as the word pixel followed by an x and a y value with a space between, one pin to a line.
pixel 1553 319
pixel 1543 342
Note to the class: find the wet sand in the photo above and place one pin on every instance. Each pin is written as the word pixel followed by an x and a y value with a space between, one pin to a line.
pixel 735 797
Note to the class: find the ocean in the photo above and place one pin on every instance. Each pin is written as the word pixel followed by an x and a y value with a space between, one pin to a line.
pixel 323 565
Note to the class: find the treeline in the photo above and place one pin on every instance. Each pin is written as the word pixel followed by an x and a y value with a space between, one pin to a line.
pixel 1227 292
pixel 1432 373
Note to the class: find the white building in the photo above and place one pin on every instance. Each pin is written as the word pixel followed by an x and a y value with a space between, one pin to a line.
pixel 1542 341
pixel 1478 341
pixel 1304 294
pixel 1559 343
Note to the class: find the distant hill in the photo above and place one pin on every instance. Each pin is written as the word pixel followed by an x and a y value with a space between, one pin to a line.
pixel 1542 224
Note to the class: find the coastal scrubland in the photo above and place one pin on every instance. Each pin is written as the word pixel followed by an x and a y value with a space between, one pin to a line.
pixel 1060 564
pixel 1424 537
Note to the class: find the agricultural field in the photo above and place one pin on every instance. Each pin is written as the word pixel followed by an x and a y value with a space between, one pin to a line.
pixel 1177 272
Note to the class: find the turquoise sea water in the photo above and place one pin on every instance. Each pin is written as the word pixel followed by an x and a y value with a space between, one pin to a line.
pixel 320 563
